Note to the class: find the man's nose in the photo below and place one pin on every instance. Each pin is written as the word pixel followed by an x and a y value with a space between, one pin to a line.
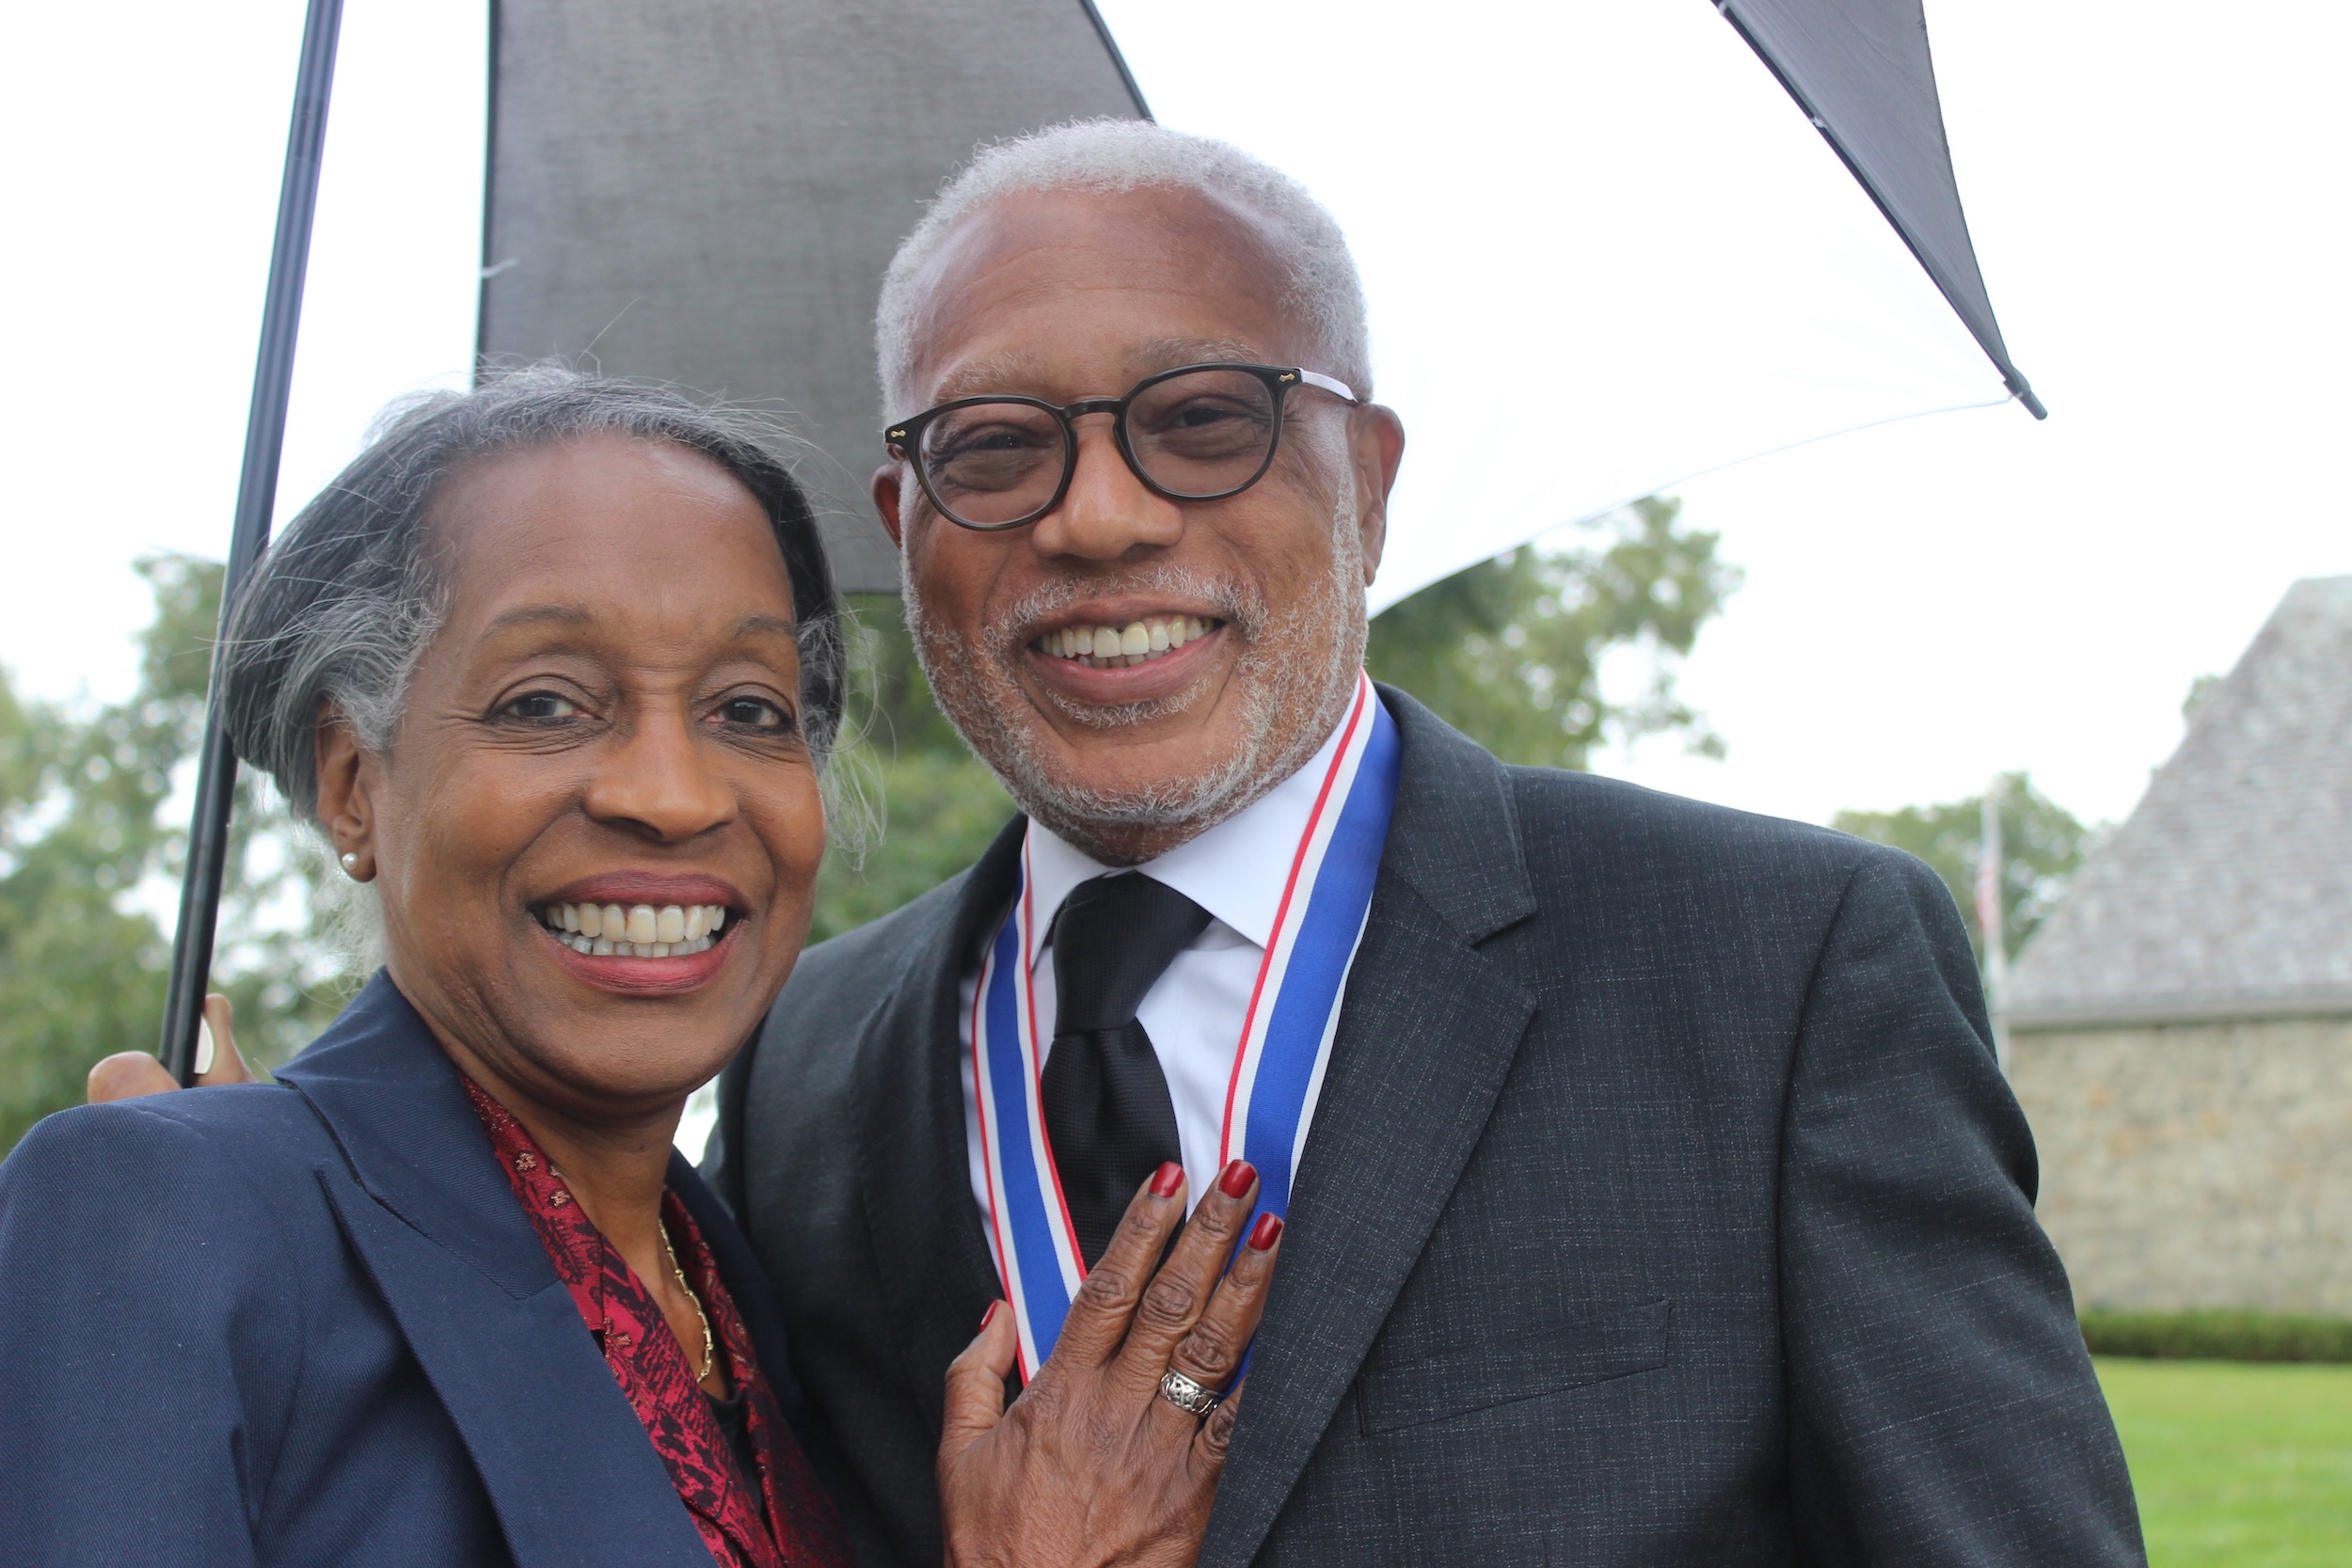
pixel 658 783
pixel 1107 511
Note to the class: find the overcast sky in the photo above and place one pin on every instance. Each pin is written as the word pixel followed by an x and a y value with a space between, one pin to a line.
pixel 2158 197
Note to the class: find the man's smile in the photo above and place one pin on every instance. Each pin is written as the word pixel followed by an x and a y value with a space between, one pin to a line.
pixel 1099 646
pixel 1188 646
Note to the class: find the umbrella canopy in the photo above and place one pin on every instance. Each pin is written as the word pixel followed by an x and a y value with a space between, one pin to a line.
pixel 1860 71
pixel 1650 267
pixel 707 192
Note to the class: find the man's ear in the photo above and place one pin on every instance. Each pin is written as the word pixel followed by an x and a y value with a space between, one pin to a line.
pixel 1376 447
pixel 885 488
pixel 345 808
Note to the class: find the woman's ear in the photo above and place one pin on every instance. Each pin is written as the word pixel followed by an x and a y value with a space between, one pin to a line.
pixel 344 807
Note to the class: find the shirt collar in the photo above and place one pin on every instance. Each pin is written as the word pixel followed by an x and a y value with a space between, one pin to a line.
pixel 1235 871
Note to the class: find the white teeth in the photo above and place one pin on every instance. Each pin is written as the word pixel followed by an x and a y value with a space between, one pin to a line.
pixel 644 932
pixel 1117 647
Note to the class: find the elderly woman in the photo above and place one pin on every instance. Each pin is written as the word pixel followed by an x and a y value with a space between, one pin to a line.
pixel 554 667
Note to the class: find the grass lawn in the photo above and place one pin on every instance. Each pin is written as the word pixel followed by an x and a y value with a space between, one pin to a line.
pixel 2237 1464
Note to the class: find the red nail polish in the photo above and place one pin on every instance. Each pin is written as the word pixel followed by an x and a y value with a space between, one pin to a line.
pixel 990 1316
pixel 1264 1234
pixel 1167 1179
pixel 1237 1177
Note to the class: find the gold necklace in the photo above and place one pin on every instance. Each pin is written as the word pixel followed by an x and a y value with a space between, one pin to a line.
pixel 710 1348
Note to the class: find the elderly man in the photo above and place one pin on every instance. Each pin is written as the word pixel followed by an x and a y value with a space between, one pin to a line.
pixel 1653 1192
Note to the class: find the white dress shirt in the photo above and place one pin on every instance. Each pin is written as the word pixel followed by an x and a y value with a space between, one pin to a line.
pixel 1194 1011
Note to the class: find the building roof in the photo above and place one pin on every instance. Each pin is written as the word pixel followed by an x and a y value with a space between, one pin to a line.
pixel 2229 892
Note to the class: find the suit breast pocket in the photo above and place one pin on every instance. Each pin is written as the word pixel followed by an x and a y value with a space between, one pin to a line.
pixel 1529 1363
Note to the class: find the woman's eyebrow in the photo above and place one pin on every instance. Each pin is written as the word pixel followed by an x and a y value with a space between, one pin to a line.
pixel 771 626
pixel 566 614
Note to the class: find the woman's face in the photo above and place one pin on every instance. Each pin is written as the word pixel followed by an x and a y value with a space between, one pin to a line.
pixel 608 721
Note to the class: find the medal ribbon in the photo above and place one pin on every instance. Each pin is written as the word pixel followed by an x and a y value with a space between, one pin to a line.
pixel 1279 1063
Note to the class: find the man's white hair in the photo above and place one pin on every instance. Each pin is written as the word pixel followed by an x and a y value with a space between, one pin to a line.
pixel 1113 155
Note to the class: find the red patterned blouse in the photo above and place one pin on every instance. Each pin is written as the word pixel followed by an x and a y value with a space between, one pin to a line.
pixel 787 1521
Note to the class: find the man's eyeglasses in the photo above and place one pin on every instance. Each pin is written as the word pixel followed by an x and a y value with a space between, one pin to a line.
pixel 1196 433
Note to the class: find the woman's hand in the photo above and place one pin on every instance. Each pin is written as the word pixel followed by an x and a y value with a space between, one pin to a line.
pixel 127 1074
pixel 1091 1463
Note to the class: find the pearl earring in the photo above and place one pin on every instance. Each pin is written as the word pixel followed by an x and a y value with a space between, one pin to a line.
pixel 351 861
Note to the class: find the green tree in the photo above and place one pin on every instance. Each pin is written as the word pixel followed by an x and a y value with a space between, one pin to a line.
pixel 1510 651
pixel 2042 846
pixel 88 848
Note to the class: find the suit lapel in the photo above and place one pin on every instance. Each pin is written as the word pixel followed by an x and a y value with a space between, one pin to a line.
pixel 914 1165
pixel 1428 1033
pixel 431 1217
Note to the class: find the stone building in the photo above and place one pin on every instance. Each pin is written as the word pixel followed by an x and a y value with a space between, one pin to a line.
pixel 2180 1026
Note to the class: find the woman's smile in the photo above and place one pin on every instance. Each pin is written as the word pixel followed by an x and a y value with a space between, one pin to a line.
pixel 638 934
pixel 643 969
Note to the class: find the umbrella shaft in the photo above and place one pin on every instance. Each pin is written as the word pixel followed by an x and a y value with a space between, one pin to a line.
pixel 257 492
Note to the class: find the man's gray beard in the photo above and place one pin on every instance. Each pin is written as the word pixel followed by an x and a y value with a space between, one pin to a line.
pixel 1270 681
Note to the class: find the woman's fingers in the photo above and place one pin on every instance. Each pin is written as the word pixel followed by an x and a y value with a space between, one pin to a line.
pixel 1211 1352
pixel 1208 1445
pixel 217 1058
pixel 128 1074
pixel 1099 1316
pixel 1180 1291
pixel 975 1383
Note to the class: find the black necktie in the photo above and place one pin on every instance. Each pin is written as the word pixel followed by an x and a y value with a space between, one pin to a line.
pixel 1107 1113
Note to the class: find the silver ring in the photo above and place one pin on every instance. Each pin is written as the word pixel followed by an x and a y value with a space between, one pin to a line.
pixel 1193 1398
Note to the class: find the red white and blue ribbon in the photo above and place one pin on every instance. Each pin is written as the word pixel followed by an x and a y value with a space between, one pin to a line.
pixel 1279 1063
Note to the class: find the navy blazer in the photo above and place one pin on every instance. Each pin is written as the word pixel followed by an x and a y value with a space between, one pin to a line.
pixel 308 1323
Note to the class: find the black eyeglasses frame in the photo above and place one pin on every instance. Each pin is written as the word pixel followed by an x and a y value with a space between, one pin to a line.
pixel 902 440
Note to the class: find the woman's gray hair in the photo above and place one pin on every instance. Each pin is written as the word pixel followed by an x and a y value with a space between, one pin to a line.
pixel 1111 155
pixel 350 594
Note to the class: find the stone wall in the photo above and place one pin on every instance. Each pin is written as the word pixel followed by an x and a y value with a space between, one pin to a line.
pixel 2197 1165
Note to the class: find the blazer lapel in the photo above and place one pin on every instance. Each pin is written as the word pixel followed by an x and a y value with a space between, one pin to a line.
pixel 1427 1034
pixel 425 1206
pixel 915 1169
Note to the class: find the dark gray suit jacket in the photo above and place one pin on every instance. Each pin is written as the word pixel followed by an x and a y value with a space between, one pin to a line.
pixel 1663 1205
